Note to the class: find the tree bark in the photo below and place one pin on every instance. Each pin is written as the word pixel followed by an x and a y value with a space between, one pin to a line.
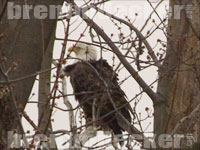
pixel 179 82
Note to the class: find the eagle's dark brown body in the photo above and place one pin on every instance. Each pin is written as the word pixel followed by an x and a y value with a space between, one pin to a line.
pixel 95 85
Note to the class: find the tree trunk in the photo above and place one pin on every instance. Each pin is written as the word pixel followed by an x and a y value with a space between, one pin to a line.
pixel 179 75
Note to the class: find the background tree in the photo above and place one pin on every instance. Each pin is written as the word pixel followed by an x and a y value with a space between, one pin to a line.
pixel 23 44
pixel 179 76
pixel 25 53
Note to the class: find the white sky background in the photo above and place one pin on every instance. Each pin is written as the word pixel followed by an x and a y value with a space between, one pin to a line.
pixel 120 8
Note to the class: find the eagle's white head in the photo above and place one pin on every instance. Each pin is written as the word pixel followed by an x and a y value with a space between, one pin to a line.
pixel 83 51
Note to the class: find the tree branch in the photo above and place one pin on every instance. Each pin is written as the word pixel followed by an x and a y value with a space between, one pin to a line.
pixel 139 34
pixel 130 69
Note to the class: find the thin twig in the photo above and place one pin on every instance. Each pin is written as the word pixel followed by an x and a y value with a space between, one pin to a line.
pixel 27 77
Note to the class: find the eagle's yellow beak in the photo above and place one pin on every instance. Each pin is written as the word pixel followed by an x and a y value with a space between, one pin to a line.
pixel 71 49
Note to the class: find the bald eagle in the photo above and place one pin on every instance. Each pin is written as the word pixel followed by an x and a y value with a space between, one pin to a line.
pixel 96 88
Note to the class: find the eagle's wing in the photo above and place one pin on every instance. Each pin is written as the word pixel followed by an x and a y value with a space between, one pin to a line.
pixel 96 80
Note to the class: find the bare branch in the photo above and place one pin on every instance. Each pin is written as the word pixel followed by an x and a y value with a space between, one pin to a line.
pixel 131 70
pixel 27 77
pixel 139 34
pixel 30 121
